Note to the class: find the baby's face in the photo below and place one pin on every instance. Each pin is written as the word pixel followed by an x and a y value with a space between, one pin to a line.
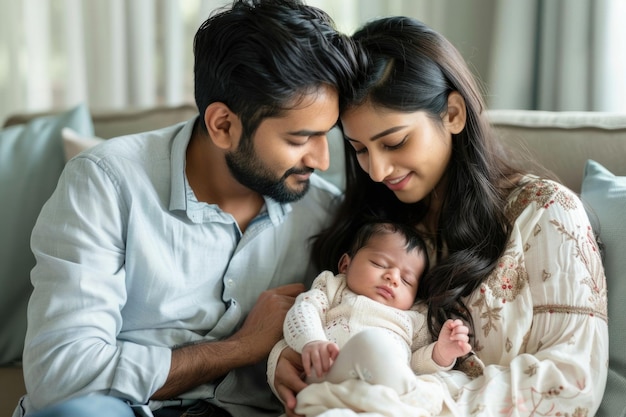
pixel 384 271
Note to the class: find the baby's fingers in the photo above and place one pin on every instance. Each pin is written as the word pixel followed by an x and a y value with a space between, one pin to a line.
pixel 464 348
pixel 306 362
pixel 317 363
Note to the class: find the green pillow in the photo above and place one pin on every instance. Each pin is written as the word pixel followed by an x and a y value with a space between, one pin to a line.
pixel 605 194
pixel 31 160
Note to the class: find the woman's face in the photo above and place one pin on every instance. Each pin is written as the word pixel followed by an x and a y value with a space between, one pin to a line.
pixel 408 152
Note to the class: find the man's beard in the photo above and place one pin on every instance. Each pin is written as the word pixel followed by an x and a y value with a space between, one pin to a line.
pixel 245 165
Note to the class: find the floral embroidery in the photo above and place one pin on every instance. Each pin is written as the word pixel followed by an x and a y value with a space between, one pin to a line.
pixel 508 345
pixel 543 193
pixel 504 284
pixel 586 248
pixel 538 232
pixel 509 277
pixel 580 412
pixel 564 309
pixel 525 340
pixel 490 315
pixel 470 365
pixel 537 399
pixel 532 370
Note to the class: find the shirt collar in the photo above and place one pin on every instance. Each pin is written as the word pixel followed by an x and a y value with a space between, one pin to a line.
pixel 277 211
pixel 178 196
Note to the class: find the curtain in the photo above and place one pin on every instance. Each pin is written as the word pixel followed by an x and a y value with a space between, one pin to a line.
pixel 111 54
pixel 116 54
pixel 559 55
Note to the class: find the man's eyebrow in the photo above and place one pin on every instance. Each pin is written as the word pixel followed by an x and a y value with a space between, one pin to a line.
pixel 379 135
pixel 306 132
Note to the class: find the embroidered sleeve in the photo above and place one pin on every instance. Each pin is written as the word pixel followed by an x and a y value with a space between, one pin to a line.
pixel 306 318
pixel 540 318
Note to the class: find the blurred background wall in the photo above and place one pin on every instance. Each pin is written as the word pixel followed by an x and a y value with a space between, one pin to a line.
pixel 116 54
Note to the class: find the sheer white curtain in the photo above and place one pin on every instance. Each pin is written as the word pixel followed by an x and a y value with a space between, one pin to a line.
pixel 111 54
pixel 115 54
pixel 559 55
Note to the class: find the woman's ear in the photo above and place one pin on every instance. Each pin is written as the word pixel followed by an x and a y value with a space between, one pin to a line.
pixel 343 264
pixel 456 116
pixel 223 126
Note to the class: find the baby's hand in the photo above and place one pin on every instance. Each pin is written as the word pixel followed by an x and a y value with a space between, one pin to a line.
pixel 453 343
pixel 319 356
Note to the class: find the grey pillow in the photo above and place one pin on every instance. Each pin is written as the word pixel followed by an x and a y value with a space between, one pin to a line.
pixel 605 194
pixel 31 160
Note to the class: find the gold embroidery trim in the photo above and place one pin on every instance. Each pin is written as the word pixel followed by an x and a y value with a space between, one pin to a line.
pixel 570 310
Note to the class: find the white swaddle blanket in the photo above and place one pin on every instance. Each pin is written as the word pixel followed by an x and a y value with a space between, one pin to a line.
pixel 356 397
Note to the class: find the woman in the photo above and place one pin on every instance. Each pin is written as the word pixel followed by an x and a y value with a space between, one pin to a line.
pixel 513 254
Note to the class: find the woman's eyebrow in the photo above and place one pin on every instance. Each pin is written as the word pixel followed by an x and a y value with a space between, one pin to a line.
pixel 379 135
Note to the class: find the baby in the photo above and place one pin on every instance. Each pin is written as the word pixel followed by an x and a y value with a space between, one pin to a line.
pixel 364 322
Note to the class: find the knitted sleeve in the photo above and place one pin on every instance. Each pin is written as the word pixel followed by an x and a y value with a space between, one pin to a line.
pixel 306 319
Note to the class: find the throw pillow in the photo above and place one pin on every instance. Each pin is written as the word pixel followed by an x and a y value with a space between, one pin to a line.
pixel 605 194
pixel 31 160
pixel 74 143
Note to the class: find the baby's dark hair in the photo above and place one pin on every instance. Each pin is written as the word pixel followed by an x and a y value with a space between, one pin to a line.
pixel 411 236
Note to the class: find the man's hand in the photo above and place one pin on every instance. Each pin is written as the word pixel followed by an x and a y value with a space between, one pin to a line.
pixel 288 379
pixel 200 363
pixel 319 356
pixel 263 327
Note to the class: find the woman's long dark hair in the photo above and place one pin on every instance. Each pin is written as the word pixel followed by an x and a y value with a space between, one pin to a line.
pixel 412 68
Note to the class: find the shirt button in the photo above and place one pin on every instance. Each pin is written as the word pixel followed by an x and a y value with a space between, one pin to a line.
pixel 230 283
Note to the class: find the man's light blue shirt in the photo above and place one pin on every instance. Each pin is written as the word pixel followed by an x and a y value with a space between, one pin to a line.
pixel 130 264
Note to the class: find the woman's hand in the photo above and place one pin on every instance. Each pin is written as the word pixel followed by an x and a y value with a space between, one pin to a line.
pixel 288 379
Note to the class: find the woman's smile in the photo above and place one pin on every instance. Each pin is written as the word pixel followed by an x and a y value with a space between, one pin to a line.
pixel 396 184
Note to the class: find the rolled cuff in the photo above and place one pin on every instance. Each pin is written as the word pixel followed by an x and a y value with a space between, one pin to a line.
pixel 272 361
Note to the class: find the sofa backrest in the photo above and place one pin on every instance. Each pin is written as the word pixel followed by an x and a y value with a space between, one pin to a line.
pixel 560 141
pixel 112 124
pixel 563 141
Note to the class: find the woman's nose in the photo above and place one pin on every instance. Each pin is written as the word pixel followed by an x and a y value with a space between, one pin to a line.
pixel 379 168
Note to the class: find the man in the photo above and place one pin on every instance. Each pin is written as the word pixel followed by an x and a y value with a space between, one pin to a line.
pixel 166 261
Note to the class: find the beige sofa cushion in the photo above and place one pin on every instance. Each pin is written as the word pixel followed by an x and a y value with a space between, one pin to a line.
pixel 564 141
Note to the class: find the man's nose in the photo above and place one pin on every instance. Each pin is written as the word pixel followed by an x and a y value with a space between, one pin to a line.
pixel 318 156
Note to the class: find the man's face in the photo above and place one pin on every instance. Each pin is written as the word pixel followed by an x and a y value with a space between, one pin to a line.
pixel 279 159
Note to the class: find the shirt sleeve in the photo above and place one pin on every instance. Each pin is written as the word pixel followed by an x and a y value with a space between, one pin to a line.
pixel 72 345
pixel 305 320
pixel 540 318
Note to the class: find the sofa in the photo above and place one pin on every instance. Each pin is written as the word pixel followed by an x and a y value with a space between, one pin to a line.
pixel 585 150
